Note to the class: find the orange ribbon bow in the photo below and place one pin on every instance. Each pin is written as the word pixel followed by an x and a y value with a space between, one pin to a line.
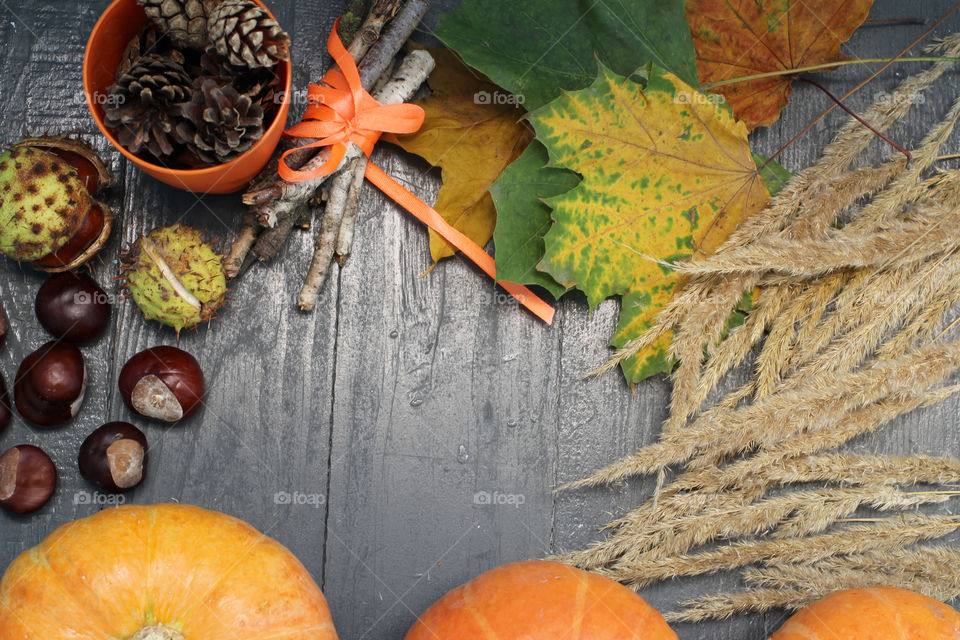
pixel 343 112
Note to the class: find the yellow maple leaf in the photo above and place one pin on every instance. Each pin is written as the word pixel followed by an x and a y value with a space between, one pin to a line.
pixel 667 174
pixel 472 131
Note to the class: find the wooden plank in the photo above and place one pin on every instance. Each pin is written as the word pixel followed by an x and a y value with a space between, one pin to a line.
pixel 444 424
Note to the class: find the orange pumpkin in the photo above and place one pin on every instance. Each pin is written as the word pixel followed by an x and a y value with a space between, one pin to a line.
pixel 164 572
pixel 879 613
pixel 540 600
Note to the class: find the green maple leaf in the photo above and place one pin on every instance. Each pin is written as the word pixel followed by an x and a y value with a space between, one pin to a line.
pixel 523 216
pixel 536 48
pixel 772 173
pixel 667 174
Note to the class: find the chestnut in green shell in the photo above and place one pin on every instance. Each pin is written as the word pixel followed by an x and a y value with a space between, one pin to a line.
pixel 48 215
pixel 174 277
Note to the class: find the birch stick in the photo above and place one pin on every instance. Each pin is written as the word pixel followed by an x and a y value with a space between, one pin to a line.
pixel 326 239
pixel 349 223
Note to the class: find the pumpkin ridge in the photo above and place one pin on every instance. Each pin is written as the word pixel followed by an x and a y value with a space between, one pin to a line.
pixel 240 556
pixel 58 580
pixel 97 609
pixel 580 610
pixel 249 549
pixel 4 593
pixel 23 622
pixel 875 612
pixel 602 601
pixel 157 632
pixel 824 623
pixel 541 600
pixel 882 597
pixel 151 514
pixel 478 616
pixel 803 630
pixel 182 619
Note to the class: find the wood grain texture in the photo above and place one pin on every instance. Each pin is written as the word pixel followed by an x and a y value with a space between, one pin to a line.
pixel 422 420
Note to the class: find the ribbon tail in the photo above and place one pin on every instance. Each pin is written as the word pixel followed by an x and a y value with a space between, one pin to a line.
pixel 337 152
pixel 468 247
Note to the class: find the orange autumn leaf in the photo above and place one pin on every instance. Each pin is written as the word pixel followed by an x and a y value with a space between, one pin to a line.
pixel 472 131
pixel 735 38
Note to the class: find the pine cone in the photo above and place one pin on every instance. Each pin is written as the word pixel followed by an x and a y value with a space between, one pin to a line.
pixel 219 123
pixel 264 88
pixel 213 66
pixel 143 104
pixel 261 84
pixel 147 40
pixel 184 21
pixel 246 35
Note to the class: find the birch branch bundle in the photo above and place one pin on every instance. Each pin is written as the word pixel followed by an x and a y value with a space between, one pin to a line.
pixel 277 207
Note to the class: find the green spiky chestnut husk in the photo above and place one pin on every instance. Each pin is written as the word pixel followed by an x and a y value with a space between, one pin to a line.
pixel 174 277
pixel 46 187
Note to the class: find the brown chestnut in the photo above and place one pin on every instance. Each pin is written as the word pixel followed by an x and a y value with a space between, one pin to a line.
pixel 113 456
pixel 88 239
pixel 27 479
pixel 73 307
pixel 164 383
pixel 50 383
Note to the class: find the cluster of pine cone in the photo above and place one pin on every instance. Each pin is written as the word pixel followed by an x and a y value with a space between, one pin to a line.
pixel 197 85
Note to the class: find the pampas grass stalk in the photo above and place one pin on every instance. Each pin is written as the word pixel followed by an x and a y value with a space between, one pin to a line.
pixel 904 243
pixel 742 338
pixel 845 468
pixel 744 481
pixel 766 462
pixel 722 606
pixel 840 290
pixel 923 320
pixel 908 289
pixel 822 401
pixel 931 231
pixel 886 534
pixel 933 563
pixel 791 515
pixel 932 570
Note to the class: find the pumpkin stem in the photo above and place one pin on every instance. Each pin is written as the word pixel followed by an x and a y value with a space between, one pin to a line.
pixel 157 632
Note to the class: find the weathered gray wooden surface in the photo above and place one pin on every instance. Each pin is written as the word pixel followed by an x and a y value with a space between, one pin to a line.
pixel 387 409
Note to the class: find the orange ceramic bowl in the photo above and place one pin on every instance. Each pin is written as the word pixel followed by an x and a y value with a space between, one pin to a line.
pixel 115 28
